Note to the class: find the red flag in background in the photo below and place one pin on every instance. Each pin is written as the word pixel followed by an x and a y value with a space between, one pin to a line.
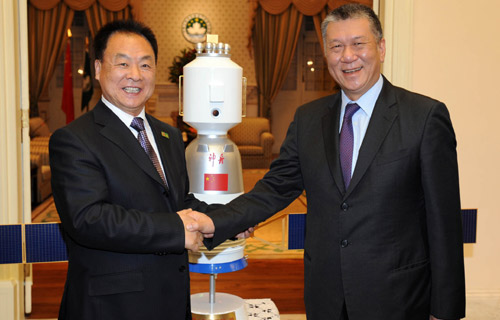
pixel 67 97
pixel 216 182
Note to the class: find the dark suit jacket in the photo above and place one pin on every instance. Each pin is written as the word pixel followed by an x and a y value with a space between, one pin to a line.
pixel 390 246
pixel 125 241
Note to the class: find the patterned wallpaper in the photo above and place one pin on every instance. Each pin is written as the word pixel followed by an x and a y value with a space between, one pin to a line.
pixel 229 19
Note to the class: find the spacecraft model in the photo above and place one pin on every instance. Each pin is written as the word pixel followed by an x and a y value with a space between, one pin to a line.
pixel 212 95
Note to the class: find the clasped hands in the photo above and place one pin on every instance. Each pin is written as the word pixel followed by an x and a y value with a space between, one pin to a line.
pixel 198 226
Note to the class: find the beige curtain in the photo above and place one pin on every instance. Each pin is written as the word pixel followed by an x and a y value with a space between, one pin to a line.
pixel 317 24
pixel 272 37
pixel 275 39
pixel 48 21
pixel 46 38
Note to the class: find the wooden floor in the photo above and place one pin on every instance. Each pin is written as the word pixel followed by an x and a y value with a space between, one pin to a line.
pixel 281 280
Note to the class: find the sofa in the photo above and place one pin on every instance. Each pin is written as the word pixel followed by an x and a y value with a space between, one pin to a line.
pixel 39 158
pixel 254 141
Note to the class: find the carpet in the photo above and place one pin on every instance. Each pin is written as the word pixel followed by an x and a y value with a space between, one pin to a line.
pixel 269 240
pixel 45 212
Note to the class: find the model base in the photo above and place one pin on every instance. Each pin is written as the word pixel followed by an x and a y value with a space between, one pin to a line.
pixel 225 307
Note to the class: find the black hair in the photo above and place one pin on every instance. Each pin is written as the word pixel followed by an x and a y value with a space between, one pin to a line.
pixel 352 11
pixel 123 26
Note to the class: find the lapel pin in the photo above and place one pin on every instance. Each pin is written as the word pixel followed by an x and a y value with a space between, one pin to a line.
pixel 164 134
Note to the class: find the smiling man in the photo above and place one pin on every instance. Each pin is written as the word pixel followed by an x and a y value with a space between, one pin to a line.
pixel 120 186
pixel 379 166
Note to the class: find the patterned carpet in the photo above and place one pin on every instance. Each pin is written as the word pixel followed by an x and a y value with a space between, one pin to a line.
pixel 270 237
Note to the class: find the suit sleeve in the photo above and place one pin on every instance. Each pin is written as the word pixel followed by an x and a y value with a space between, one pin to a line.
pixel 442 200
pixel 82 193
pixel 279 187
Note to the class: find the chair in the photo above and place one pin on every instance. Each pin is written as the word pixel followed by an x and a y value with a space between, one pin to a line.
pixel 254 141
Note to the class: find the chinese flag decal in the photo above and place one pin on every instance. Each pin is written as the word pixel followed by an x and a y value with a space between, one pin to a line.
pixel 216 181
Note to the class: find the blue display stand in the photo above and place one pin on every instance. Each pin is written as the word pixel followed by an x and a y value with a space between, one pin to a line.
pixel 218 267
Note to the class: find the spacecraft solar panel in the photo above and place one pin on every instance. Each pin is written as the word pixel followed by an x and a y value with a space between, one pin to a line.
pixel 44 243
pixel 296 230
pixel 11 244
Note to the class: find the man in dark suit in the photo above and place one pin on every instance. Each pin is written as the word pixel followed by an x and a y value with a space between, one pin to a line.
pixel 122 209
pixel 383 230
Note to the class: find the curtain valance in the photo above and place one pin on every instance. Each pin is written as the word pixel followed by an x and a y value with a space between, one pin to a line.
pixel 306 7
pixel 81 5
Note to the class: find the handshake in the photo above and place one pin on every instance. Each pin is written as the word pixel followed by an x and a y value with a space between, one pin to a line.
pixel 198 226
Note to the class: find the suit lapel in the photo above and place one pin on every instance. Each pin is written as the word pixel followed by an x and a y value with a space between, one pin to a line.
pixel 382 119
pixel 330 126
pixel 114 130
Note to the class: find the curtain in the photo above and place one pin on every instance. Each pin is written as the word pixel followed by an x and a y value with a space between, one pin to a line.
pixel 46 38
pixel 275 39
pixel 48 21
pixel 272 37
pixel 317 19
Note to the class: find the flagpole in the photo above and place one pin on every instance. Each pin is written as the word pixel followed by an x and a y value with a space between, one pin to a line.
pixel 67 103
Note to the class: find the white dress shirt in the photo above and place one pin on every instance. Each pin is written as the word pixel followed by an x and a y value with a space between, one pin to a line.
pixel 361 118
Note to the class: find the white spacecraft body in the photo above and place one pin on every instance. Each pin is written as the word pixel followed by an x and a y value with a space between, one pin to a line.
pixel 212 103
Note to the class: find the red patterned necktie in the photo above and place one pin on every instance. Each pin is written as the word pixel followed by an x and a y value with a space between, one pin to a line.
pixel 347 142
pixel 138 124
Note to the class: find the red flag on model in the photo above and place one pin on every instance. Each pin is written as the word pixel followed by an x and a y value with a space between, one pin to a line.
pixel 216 181
pixel 67 104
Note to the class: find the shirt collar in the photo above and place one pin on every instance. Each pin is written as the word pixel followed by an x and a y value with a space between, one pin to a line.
pixel 124 117
pixel 367 100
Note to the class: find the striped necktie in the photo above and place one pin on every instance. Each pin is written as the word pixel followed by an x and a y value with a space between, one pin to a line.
pixel 138 124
